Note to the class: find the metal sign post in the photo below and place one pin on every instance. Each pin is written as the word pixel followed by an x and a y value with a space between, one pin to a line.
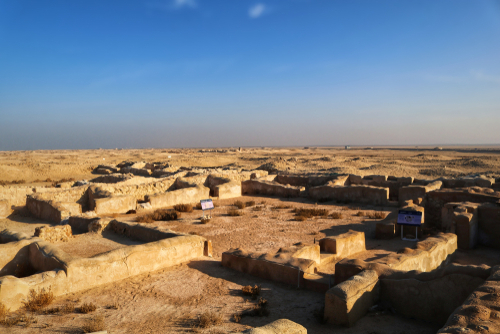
pixel 411 218
pixel 207 204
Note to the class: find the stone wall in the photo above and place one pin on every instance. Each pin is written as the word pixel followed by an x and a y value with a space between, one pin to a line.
pixel 480 311
pixel 65 274
pixel 350 300
pixel 115 204
pixel 435 200
pixel 268 188
pixel 181 196
pixel 417 192
pixel 277 267
pixel 427 255
pixel 489 225
pixel 357 194
pixel 344 245
pixel 52 210
pixel 13 255
pixel 461 219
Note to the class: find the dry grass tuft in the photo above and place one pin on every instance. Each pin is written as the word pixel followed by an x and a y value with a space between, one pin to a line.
pixel 38 299
pixel 235 213
pixel 253 291
pixel 205 220
pixel 183 207
pixel 359 214
pixel 337 215
pixel 258 208
pixel 87 308
pixel 250 203
pixel 237 318
pixel 209 319
pixel 159 215
pixel 281 207
pixel 94 324
pixel 114 306
pixel 239 204
pixel 3 311
pixel 67 308
pixel 303 214
pixel 376 215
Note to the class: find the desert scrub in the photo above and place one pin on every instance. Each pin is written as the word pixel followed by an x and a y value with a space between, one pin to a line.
pixel 94 324
pixel 376 215
pixel 250 203
pixel 303 214
pixel 253 291
pixel 209 319
pixel 183 208
pixel 239 204
pixel 205 220
pixel 359 214
pixel 159 215
pixel 87 308
pixel 235 213
pixel 38 299
pixel 336 215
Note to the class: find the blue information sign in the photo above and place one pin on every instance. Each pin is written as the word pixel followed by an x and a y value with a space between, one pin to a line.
pixel 413 218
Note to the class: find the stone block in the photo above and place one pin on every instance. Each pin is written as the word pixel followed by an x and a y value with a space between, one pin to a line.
pixel 344 245
pixel 350 300
pixel 181 196
pixel 115 204
pixel 54 233
pixel 230 189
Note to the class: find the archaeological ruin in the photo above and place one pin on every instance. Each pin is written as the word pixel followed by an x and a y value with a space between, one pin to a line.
pixel 418 280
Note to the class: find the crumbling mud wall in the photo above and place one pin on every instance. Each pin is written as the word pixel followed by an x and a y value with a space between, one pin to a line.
pixel 5 208
pixel 52 210
pixel 275 267
pixel 16 195
pixel 480 311
pixel 416 193
pixel 357 194
pixel 428 255
pixel 309 181
pixel 263 187
pixel 65 274
pixel 13 255
pixel 181 196
pixel 344 245
pixel 436 200
pixel 489 225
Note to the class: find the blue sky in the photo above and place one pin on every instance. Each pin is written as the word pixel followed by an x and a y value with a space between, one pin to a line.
pixel 201 73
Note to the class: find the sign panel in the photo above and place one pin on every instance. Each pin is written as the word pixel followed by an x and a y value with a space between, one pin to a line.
pixel 206 204
pixel 413 218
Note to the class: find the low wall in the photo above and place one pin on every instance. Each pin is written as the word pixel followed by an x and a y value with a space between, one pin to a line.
pixel 115 204
pixel 461 219
pixel 416 192
pixel 436 200
pixel 141 232
pixel 344 245
pixel 262 187
pixel 465 182
pixel 303 251
pixel 64 274
pixel 51 210
pixel 283 269
pixel 358 194
pixel 231 189
pixel 181 196
pixel 480 311
pixel 80 223
pixel 5 208
pixel 16 195
pixel 432 300
pixel 350 300
pixel 427 255
pixel 489 225
pixel 309 181
pixel 13 254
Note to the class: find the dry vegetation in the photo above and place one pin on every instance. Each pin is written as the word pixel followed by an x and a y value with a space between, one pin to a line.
pixel 240 205
pixel 235 213
pixel 159 215
pixel 94 324
pixel 209 319
pixel 376 215
pixel 87 308
pixel 336 215
pixel 252 291
pixel 183 208
pixel 304 214
pixel 38 299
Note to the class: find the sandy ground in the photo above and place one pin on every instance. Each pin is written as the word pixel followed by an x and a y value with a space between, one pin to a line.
pixel 170 300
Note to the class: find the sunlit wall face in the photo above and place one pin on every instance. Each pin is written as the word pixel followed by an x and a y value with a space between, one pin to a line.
pixel 181 73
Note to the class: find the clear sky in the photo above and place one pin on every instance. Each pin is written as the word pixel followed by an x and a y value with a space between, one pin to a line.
pixel 203 73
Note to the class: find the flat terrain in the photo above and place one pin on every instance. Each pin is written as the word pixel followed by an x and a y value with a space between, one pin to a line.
pixel 169 301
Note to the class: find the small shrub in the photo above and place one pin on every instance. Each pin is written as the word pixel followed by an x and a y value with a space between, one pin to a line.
pixel 67 308
pixel 87 308
pixel 309 213
pixel 159 215
pixel 94 324
pixel 359 214
pixel 258 208
pixel 301 218
pixel 114 306
pixel 281 207
pixel 239 204
pixel 52 310
pixel 235 213
pixel 38 299
pixel 336 215
pixel 259 310
pixel 3 311
pixel 29 319
pixel 253 291
pixel 183 207
pixel 376 215
pixel 205 220
pixel 250 203
pixel 209 319
pixel 237 318
pixel 9 322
